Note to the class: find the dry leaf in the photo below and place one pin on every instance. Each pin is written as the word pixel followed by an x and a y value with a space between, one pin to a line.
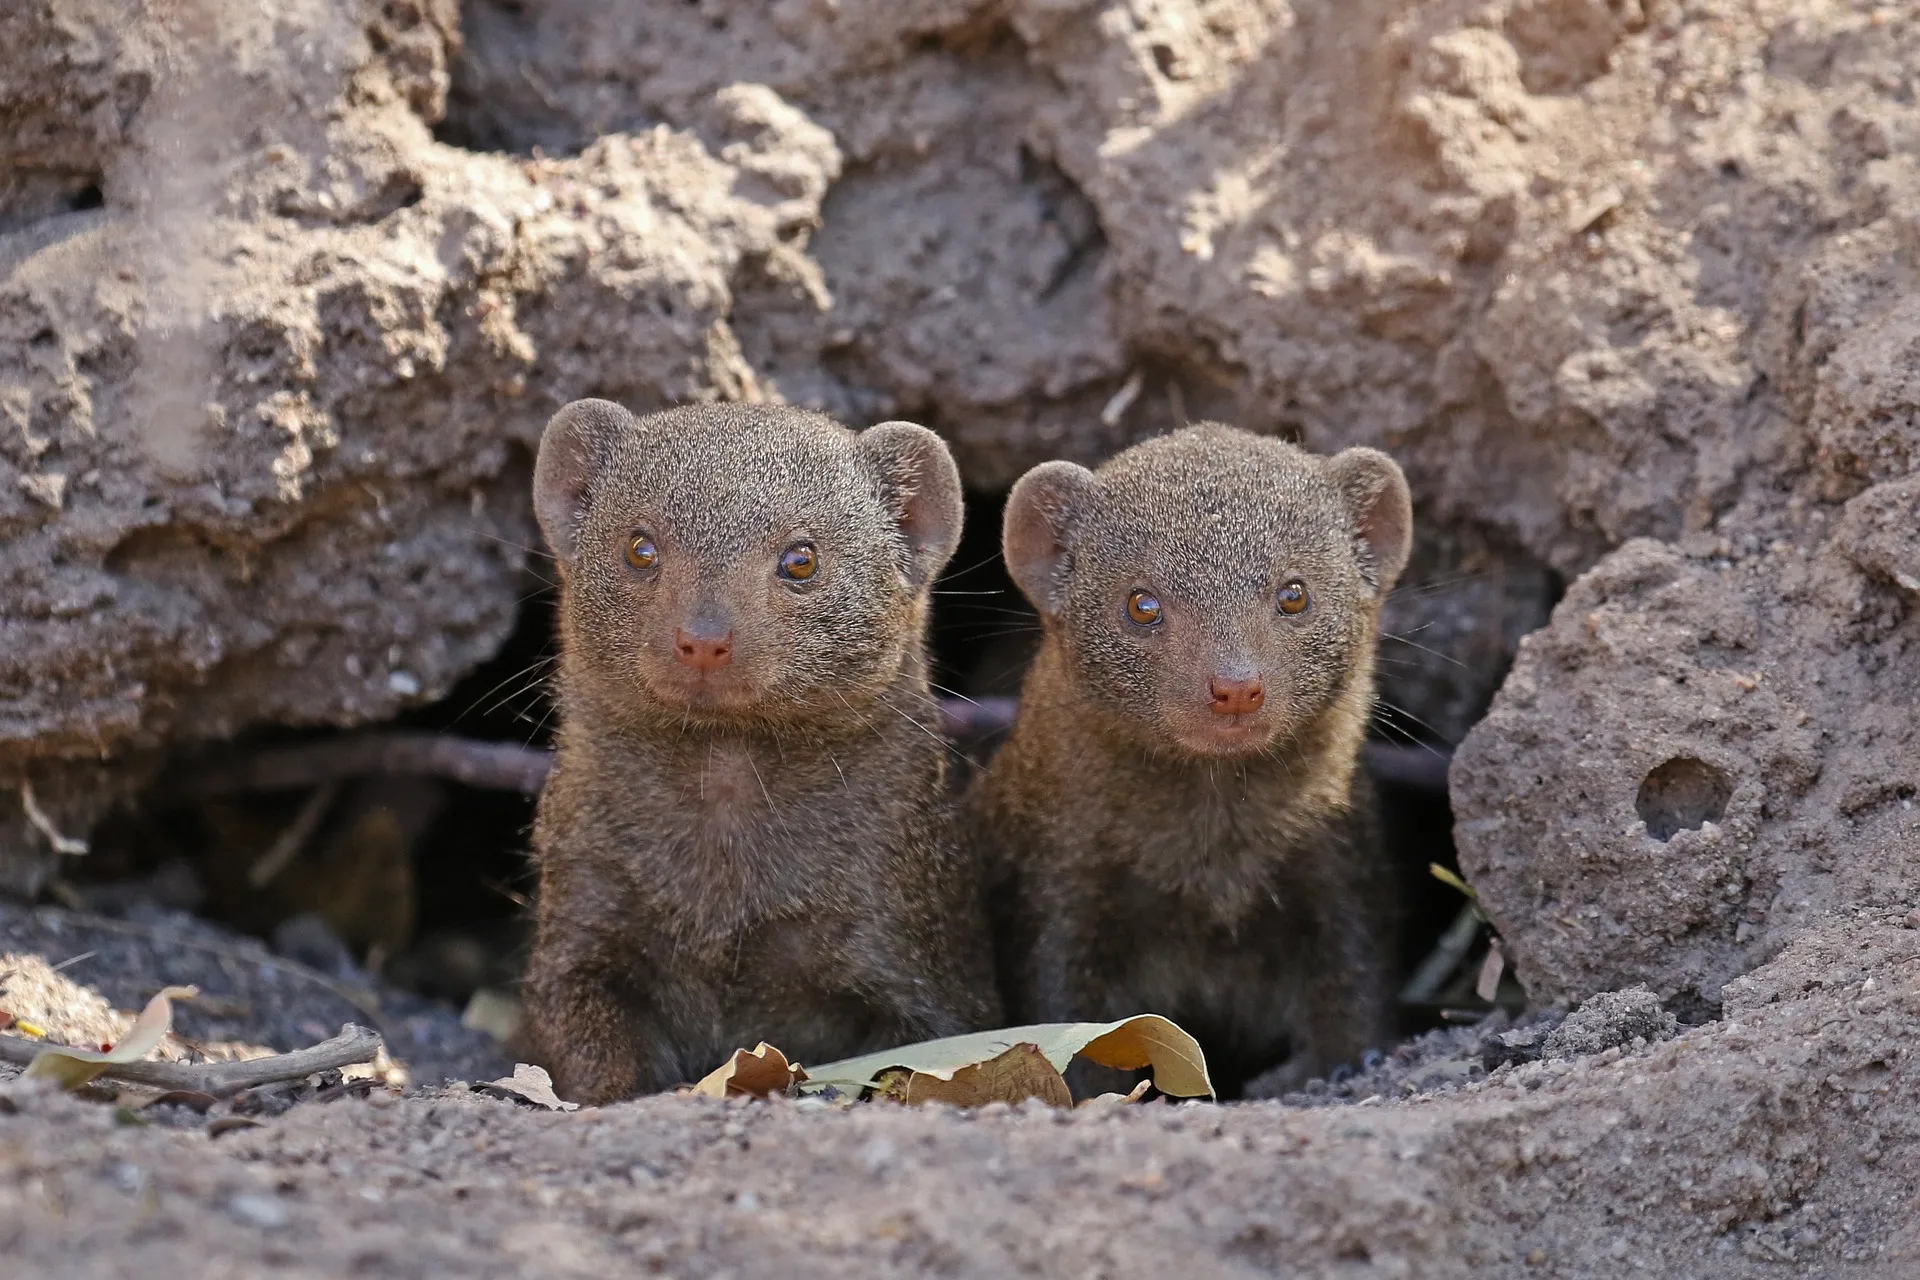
pixel 1020 1073
pixel 1146 1040
pixel 534 1085
pixel 1488 984
pixel 231 1124
pixel 6 1019
pixel 756 1074
pixel 74 1067
pixel 1450 878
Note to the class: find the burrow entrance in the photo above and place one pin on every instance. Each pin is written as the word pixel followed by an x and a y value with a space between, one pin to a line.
pixel 426 882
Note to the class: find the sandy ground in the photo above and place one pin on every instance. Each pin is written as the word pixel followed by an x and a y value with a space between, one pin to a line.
pixel 1778 1141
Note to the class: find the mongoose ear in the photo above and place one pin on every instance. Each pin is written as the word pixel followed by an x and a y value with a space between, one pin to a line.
pixel 921 485
pixel 1041 512
pixel 1376 496
pixel 572 449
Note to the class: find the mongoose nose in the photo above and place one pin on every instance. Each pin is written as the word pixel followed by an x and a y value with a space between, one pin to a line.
pixel 701 651
pixel 1236 697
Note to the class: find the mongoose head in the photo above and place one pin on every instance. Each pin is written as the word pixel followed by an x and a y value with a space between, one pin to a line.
pixel 740 562
pixel 1215 591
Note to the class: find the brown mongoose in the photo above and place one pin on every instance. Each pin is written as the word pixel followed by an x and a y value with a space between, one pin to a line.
pixel 1177 816
pixel 747 832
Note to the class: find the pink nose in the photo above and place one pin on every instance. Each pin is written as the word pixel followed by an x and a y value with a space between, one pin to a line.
pixel 1236 697
pixel 702 652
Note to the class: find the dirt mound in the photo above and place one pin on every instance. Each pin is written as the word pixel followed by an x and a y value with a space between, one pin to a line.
pixel 1784 1135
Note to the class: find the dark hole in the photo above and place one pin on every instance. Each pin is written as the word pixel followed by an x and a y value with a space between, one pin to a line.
pixel 87 197
pixel 471 879
pixel 1692 1008
pixel 1164 59
pixel 984 631
pixel 1681 795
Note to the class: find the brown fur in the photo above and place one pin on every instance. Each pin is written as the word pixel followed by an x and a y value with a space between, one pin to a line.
pixel 1156 856
pixel 763 851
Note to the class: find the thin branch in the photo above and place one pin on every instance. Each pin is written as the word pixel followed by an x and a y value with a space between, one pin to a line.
pixel 61 842
pixel 506 766
pixel 354 1044
pixel 287 846
pixel 490 766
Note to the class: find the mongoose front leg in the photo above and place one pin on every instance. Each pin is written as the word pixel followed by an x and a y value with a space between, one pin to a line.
pixel 1340 1009
pixel 594 1030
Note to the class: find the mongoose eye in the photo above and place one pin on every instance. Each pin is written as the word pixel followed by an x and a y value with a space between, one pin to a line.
pixel 641 553
pixel 799 562
pixel 1293 598
pixel 1144 608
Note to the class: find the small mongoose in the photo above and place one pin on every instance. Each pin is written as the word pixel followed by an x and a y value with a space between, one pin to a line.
pixel 747 834
pixel 1177 817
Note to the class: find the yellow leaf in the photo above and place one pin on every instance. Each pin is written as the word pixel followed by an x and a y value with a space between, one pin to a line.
pixel 757 1074
pixel 74 1067
pixel 1451 879
pixel 1151 1041
pixel 1146 1040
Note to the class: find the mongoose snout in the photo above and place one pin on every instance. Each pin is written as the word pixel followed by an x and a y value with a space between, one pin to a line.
pixel 1236 695
pixel 705 648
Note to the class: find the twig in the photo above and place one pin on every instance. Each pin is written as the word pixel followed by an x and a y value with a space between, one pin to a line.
pixel 495 766
pixel 1122 400
pixel 505 766
pixel 1444 958
pixel 288 844
pixel 354 1044
pixel 61 842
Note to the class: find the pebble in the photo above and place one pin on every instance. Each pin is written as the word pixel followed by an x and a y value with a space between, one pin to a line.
pixel 259 1211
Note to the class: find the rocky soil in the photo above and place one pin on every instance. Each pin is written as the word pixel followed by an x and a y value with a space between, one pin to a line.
pixel 1781 1140
pixel 1628 286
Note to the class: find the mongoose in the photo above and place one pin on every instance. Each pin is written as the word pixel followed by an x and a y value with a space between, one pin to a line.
pixel 1179 821
pixel 747 832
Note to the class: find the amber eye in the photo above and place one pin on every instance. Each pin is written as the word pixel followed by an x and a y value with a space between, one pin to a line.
pixel 799 562
pixel 1293 598
pixel 641 553
pixel 1144 608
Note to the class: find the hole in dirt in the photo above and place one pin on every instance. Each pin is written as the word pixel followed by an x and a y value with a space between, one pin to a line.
pixel 1682 795
pixel 429 882
pixel 425 881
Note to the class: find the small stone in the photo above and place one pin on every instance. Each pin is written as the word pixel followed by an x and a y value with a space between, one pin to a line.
pixel 1609 1019
pixel 404 683
pixel 259 1211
